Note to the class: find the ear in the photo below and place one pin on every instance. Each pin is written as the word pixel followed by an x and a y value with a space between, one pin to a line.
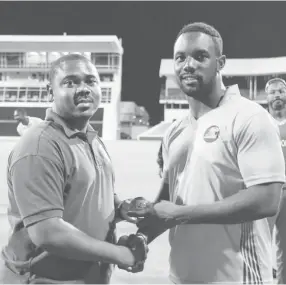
pixel 221 63
pixel 50 93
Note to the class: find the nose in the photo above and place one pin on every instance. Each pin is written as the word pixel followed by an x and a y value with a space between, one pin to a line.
pixel 277 95
pixel 83 89
pixel 190 64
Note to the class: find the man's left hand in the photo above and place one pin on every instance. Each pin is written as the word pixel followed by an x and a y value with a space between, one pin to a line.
pixel 163 210
pixel 123 210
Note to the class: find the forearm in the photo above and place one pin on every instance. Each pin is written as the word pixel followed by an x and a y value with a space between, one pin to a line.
pixel 64 240
pixel 245 206
pixel 152 234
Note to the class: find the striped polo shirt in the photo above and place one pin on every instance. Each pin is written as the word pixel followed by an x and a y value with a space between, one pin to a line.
pixel 54 171
pixel 228 149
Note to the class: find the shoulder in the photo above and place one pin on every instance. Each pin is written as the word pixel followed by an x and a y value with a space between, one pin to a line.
pixel 41 140
pixel 243 111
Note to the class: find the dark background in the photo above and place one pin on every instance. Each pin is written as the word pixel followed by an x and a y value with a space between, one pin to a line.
pixel 148 30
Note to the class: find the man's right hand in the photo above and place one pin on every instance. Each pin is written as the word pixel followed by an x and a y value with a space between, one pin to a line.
pixel 137 245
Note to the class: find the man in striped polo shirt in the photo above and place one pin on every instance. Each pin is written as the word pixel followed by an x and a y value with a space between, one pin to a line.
pixel 62 204
pixel 224 171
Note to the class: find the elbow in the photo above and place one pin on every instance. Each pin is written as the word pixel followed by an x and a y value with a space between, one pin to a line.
pixel 267 210
pixel 44 235
pixel 270 212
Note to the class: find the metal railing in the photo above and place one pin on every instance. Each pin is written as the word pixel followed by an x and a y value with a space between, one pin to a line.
pixel 37 95
pixel 48 65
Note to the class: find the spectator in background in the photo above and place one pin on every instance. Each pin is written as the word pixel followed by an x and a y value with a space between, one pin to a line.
pixel 25 122
pixel 276 98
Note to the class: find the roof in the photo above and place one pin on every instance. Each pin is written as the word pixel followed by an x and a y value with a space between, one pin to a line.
pixel 155 133
pixel 239 67
pixel 74 43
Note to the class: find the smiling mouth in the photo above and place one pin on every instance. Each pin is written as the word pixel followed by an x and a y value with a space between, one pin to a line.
pixel 189 79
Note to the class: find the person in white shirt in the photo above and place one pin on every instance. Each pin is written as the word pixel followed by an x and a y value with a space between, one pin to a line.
pixel 276 97
pixel 25 122
pixel 223 172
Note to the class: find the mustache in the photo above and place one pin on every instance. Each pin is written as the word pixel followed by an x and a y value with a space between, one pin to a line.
pixel 78 96
pixel 195 76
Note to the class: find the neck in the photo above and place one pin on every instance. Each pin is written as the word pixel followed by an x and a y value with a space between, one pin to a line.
pixel 206 101
pixel 278 115
pixel 76 124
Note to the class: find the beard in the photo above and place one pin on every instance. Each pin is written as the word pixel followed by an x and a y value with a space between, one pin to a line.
pixel 278 105
pixel 198 90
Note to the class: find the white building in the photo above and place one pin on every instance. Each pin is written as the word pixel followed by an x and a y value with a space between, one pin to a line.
pixel 24 69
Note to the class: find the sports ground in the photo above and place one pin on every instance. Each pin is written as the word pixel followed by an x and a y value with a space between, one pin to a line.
pixel 136 173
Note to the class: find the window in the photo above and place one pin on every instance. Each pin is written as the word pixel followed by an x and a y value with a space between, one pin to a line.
pixel 115 59
pixel 185 106
pixel 106 77
pixel 99 58
pixel 22 94
pixel 36 59
pixel 14 59
pixel 106 95
pixel 33 94
pixel 2 90
pixel 11 94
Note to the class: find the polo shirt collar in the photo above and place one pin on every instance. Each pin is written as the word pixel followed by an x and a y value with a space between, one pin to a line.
pixel 54 117
pixel 232 90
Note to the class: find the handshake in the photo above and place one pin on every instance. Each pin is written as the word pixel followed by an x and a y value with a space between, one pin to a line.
pixel 137 243
pixel 152 219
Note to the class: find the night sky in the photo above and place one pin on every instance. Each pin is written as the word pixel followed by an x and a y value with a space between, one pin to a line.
pixel 148 30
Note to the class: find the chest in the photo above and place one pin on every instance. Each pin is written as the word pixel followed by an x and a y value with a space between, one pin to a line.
pixel 179 148
pixel 91 172
pixel 213 145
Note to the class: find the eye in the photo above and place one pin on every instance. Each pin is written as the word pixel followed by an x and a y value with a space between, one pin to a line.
pixel 180 58
pixel 91 81
pixel 201 57
pixel 69 83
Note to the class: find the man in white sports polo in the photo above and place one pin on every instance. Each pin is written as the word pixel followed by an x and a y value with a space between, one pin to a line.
pixel 25 122
pixel 224 171
pixel 276 97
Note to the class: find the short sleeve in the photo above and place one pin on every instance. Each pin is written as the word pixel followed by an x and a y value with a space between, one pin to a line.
pixel 259 153
pixel 37 184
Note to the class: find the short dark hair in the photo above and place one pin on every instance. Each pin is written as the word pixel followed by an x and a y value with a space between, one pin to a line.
pixel 68 57
pixel 274 80
pixel 205 29
pixel 21 111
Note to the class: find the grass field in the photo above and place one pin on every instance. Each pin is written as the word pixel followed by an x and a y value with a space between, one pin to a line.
pixel 136 175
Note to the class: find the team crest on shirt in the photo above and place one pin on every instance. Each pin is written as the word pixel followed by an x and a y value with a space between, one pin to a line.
pixel 211 134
